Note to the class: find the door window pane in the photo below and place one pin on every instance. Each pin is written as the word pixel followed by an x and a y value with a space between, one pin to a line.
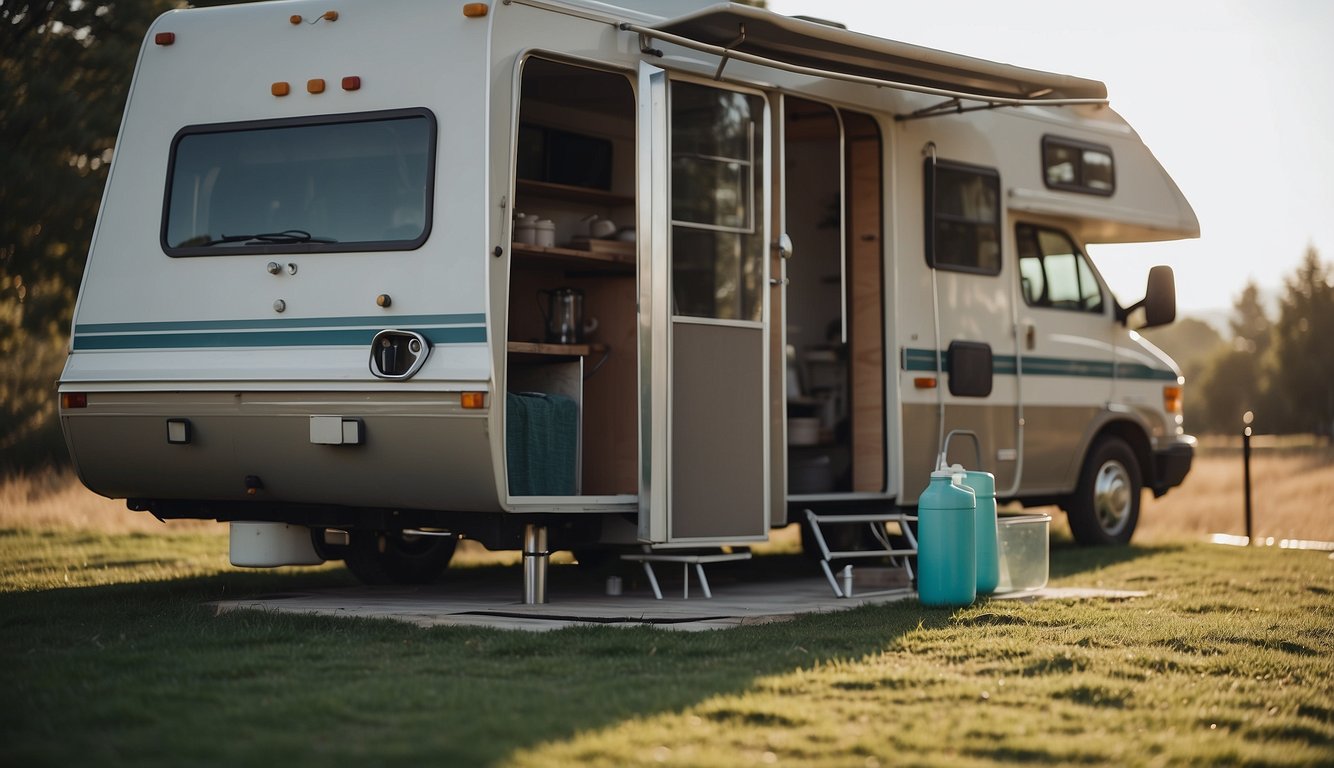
pixel 717 179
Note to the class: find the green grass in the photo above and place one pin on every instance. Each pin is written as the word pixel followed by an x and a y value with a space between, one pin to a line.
pixel 109 656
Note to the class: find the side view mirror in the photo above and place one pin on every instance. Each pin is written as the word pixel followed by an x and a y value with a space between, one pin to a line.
pixel 1160 299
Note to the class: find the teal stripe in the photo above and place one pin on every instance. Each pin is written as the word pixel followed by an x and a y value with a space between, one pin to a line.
pixel 378 321
pixel 264 338
pixel 1008 365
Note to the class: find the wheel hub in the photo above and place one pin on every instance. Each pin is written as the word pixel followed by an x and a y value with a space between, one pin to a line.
pixel 1111 497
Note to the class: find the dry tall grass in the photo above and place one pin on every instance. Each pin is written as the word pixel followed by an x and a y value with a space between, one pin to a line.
pixel 52 499
pixel 1292 488
pixel 1292 493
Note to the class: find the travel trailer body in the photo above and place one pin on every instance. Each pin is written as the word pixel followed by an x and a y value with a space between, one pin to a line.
pixel 662 275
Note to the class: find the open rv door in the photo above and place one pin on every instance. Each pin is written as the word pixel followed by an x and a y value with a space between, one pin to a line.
pixel 703 315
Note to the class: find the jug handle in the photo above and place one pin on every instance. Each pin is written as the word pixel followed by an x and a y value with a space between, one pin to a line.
pixel 542 307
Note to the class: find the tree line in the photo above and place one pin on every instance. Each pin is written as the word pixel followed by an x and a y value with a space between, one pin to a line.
pixel 1280 368
pixel 65 69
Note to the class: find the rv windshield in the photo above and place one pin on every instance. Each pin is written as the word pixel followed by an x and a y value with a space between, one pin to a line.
pixel 341 183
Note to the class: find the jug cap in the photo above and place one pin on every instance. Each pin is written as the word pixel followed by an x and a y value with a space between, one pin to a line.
pixel 982 483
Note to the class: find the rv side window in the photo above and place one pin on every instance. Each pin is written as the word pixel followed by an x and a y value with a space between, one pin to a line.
pixel 1054 273
pixel 340 183
pixel 962 217
pixel 1077 166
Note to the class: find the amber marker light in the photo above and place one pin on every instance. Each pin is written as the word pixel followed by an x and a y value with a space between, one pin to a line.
pixel 280 89
pixel 73 400
pixel 473 400
pixel 164 38
pixel 475 10
pixel 330 16
pixel 315 86
pixel 924 382
pixel 295 19
pixel 1172 400
pixel 352 83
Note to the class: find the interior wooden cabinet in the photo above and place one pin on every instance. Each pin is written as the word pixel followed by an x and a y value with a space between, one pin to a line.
pixel 587 117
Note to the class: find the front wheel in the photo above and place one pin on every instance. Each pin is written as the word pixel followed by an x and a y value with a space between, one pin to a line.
pixel 397 557
pixel 1105 507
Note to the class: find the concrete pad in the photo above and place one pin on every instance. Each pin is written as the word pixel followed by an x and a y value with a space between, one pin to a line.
pixel 734 604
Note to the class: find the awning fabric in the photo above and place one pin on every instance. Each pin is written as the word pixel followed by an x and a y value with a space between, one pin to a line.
pixel 821 46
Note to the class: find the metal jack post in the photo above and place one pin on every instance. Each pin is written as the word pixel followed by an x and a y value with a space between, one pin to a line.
pixel 535 557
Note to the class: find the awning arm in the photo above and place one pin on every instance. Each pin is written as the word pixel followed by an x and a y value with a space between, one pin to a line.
pixel 647 33
pixel 727 52
pixel 952 107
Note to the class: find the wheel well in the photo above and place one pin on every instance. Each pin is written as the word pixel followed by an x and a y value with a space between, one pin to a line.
pixel 1131 434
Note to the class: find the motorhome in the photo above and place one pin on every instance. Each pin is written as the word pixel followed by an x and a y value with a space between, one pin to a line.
pixel 565 274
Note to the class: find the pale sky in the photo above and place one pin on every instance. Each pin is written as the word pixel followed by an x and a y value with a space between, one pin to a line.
pixel 1234 98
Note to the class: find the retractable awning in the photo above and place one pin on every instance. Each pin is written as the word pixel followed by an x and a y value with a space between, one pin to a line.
pixel 806 47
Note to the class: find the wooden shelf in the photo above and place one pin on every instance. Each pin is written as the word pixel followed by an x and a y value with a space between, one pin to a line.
pixel 573 258
pixel 571 193
pixel 555 350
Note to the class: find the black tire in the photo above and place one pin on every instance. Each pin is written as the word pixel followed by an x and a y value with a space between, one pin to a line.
pixel 393 557
pixel 1105 508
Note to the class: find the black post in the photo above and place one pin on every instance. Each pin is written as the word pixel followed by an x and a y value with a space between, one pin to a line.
pixel 1246 461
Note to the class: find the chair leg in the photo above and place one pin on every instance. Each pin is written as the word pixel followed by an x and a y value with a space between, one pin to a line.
pixel 652 580
pixel 703 582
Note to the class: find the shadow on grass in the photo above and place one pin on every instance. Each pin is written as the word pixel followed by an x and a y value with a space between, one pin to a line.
pixel 147 674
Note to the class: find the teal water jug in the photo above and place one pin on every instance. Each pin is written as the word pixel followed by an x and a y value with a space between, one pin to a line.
pixel 946 542
pixel 988 563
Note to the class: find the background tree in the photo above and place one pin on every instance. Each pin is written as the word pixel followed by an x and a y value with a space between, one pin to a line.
pixel 1302 358
pixel 1250 324
pixel 65 68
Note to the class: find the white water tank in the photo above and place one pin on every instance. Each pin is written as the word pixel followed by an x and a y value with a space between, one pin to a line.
pixel 266 545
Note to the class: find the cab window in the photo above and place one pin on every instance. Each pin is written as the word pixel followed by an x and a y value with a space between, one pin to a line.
pixel 1054 273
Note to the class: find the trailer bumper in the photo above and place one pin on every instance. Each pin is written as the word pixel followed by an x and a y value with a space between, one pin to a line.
pixel 1172 463
pixel 375 449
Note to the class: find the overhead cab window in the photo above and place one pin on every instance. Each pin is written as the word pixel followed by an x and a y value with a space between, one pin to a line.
pixel 962 217
pixel 337 183
pixel 1078 166
pixel 1053 273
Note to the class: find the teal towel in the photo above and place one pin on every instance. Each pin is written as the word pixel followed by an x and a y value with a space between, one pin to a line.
pixel 541 437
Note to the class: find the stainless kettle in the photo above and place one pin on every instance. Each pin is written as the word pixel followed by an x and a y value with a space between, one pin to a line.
pixel 563 311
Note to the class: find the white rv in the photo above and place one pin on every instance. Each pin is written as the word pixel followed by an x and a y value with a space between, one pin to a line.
pixel 369 277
